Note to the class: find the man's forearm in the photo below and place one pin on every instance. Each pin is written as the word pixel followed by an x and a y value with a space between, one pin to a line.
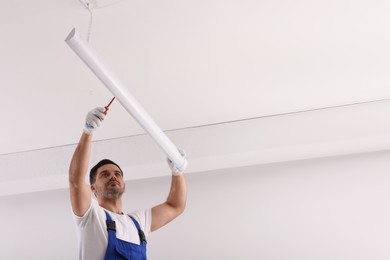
pixel 178 194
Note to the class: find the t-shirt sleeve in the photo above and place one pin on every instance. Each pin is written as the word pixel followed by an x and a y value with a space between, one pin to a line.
pixel 92 232
pixel 81 221
pixel 144 218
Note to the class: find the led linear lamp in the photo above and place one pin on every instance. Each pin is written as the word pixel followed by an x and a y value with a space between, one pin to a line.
pixel 116 87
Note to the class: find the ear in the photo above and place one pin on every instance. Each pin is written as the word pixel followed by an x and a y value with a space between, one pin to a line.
pixel 93 189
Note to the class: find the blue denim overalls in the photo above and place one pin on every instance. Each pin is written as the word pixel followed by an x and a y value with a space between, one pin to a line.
pixel 122 250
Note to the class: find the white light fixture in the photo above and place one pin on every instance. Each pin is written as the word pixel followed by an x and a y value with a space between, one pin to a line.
pixel 132 106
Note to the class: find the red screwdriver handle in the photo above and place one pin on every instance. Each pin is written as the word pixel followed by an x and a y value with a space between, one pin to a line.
pixel 108 106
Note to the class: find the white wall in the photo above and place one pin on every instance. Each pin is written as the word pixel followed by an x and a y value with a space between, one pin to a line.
pixel 329 208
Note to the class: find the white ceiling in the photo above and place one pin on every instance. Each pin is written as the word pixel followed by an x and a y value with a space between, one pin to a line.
pixel 189 63
pixel 195 64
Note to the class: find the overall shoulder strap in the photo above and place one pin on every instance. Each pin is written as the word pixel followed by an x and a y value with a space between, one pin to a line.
pixel 140 232
pixel 109 222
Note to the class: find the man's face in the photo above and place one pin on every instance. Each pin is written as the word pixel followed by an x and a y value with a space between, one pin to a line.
pixel 109 182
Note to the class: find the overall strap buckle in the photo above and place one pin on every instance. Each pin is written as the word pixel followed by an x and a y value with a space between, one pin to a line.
pixel 141 235
pixel 111 225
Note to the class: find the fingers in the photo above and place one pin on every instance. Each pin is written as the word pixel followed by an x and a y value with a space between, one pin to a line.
pixel 99 113
pixel 94 119
pixel 175 169
pixel 182 152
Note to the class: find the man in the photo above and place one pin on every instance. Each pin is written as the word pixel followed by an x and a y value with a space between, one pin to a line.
pixel 105 232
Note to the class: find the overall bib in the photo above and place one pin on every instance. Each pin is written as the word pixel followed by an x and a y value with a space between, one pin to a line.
pixel 122 250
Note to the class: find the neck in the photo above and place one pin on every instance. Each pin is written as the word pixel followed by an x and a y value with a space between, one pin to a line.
pixel 112 205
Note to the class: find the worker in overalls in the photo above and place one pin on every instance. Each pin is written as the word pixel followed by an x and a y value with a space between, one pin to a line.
pixel 105 232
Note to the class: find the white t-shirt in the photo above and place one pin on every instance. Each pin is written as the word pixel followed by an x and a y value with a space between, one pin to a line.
pixel 92 230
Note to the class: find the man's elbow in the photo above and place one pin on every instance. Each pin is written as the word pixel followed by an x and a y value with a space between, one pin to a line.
pixel 75 182
pixel 178 209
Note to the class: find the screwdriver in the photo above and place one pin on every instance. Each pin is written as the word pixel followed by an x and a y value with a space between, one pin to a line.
pixel 108 106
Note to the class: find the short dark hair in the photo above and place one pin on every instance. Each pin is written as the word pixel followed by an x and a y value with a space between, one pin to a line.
pixel 93 172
